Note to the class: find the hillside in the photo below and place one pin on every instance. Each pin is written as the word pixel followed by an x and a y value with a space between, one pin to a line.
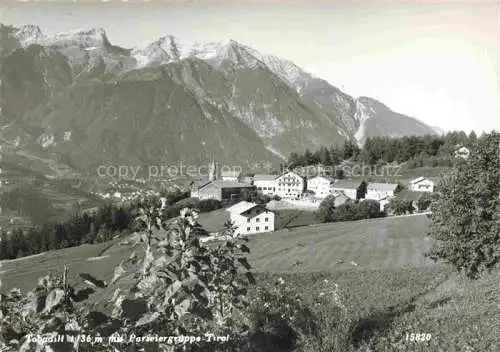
pixel 79 97
pixel 374 269
pixel 375 243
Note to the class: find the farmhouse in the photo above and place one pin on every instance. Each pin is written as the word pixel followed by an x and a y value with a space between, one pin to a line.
pixel 322 186
pixel 265 184
pixel 422 184
pixel 379 191
pixel 251 218
pixel 220 189
pixel 349 188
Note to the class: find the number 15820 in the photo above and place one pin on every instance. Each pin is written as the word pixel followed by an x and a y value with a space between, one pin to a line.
pixel 418 337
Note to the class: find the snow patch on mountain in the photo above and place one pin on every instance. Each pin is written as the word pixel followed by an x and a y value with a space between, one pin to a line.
pixel 275 152
pixel 83 38
pixel 29 34
pixel 362 114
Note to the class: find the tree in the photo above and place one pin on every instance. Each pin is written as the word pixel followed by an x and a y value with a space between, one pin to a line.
pixel 399 187
pixel 309 157
pixel 424 201
pixel 361 190
pixel 324 156
pixel 351 150
pixel 466 214
pixel 472 140
pixel 400 206
pixel 326 209
pixel 348 211
pixel 369 209
pixel 335 156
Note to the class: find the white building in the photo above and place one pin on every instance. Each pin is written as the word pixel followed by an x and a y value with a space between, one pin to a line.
pixel 462 152
pixel 379 191
pixel 422 184
pixel 322 186
pixel 265 184
pixel 349 188
pixel 250 218
pixel 290 185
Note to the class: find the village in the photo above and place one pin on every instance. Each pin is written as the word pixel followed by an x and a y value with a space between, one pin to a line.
pixel 292 190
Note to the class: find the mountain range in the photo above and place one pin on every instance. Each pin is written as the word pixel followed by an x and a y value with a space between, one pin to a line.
pixel 80 99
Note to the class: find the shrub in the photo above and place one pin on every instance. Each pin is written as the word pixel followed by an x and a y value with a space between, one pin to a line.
pixel 207 205
pixel 179 287
pixel 424 201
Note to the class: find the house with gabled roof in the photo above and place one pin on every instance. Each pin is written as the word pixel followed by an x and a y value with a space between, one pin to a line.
pixel 379 191
pixel 265 183
pixel 422 184
pixel 322 186
pixel 250 218
pixel 349 188
pixel 290 185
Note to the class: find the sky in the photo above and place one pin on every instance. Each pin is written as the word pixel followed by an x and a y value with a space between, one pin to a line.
pixel 437 61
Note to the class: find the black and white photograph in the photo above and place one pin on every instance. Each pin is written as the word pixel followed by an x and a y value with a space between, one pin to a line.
pixel 250 176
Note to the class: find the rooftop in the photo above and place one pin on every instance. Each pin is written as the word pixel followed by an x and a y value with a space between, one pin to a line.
pixel 227 184
pixel 347 184
pixel 264 177
pixel 384 187
pixel 329 178
pixel 241 207
pixel 418 179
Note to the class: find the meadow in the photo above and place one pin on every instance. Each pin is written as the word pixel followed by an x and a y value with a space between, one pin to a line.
pixel 373 269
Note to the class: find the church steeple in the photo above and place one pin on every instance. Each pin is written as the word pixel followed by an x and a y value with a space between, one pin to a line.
pixel 212 171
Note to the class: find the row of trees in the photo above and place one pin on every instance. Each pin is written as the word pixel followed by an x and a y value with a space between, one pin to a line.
pixel 349 211
pixel 429 150
pixel 97 226
pixel 100 225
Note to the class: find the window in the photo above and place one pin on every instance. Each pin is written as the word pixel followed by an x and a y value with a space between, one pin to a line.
pixel 257 228
pixel 257 220
pixel 266 219
pixel 248 229
pixel 266 228
pixel 248 219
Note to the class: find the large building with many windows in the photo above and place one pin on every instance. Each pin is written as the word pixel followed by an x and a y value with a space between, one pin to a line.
pixel 289 185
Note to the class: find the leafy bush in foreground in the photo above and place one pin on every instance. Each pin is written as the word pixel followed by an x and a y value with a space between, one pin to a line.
pixel 179 287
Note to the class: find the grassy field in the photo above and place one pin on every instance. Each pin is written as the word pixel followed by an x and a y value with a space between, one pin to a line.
pixel 388 288
pixel 375 243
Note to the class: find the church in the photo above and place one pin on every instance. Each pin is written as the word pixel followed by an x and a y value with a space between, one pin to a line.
pixel 226 186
